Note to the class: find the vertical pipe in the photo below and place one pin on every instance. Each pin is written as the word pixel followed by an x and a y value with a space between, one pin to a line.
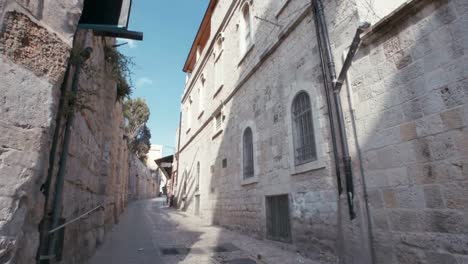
pixel 58 196
pixel 323 36
pixel 178 157
pixel 330 111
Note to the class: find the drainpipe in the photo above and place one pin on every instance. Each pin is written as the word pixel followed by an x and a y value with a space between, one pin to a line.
pixel 322 36
pixel 58 195
pixel 177 156
pixel 330 117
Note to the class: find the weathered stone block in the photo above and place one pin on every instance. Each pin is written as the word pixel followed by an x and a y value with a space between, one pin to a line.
pixel 436 258
pixel 34 47
pixel 408 131
pixel 390 198
pixel 433 197
pixel 429 125
pixel 445 222
pixel 442 146
pixel 452 118
pixel 407 255
pixel 428 173
pixel 456 195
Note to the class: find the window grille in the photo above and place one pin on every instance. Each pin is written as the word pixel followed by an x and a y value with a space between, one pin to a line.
pixel 248 154
pixel 197 179
pixel 277 217
pixel 303 130
pixel 246 29
pixel 218 121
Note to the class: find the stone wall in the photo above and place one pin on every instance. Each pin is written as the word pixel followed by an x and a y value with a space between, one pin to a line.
pixel 409 92
pixel 34 50
pixel 142 182
pixel 35 42
pixel 258 88
pixel 405 115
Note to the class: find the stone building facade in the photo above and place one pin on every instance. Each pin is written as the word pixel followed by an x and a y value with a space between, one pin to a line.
pixel 405 110
pixel 36 73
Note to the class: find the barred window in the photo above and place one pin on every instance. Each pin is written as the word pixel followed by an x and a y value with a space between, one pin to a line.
pixel 246 38
pixel 218 121
pixel 197 178
pixel 248 153
pixel 303 130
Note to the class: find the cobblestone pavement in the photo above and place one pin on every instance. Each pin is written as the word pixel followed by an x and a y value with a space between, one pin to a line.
pixel 149 232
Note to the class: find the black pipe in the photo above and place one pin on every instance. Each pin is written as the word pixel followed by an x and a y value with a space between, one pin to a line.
pixel 330 113
pixel 322 35
pixel 85 54
pixel 45 188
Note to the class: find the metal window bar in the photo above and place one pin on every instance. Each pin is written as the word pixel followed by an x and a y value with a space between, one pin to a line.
pixel 218 122
pixel 248 154
pixel 305 149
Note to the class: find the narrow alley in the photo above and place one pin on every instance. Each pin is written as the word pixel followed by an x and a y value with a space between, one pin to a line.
pixel 150 232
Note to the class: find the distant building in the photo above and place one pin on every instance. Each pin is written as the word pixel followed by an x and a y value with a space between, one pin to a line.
pixel 154 153
pixel 264 138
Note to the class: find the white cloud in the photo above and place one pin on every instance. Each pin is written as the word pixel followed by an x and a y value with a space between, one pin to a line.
pixel 144 81
pixel 132 44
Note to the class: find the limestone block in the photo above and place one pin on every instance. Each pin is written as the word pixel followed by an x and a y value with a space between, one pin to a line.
pixel 433 197
pixel 456 195
pixel 428 173
pixel 453 118
pixel 442 221
pixel 405 220
pixel 408 131
pixel 26 43
pixel 412 110
pixel 429 125
pixel 442 146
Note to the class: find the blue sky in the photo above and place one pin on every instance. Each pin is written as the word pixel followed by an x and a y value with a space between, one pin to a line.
pixel 169 28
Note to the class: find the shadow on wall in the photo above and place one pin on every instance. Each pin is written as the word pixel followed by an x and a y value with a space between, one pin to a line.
pixel 406 115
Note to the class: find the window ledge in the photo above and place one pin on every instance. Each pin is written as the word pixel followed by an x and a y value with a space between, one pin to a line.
pixel 217 134
pixel 218 91
pixel 249 181
pixel 247 52
pixel 200 115
pixel 188 131
pixel 306 167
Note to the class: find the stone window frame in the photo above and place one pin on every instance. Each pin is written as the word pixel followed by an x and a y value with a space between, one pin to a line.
pixel 201 96
pixel 320 145
pixel 303 137
pixel 251 180
pixel 218 69
pixel 244 48
pixel 218 130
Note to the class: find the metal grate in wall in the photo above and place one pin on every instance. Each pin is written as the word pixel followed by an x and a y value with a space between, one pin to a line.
pixel 277 218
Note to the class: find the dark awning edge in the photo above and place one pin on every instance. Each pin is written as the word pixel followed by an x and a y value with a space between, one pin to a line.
pixel 113 31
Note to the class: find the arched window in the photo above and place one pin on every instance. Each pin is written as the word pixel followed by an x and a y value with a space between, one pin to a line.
pixel 197 178
pixel 303 130
pixel 246 37
pixel 248 153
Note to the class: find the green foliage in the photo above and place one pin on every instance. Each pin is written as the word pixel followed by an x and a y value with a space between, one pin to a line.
pixel 120 70
pixel 137 113
pixel 141 144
